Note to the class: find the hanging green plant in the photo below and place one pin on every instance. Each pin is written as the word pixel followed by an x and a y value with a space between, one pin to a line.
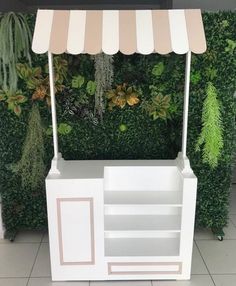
pixel 13 100
pixel 15 44
pixel 31 167
pixel 211 136
pixel 103 77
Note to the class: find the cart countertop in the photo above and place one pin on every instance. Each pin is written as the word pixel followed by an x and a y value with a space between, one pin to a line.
pixel 94 169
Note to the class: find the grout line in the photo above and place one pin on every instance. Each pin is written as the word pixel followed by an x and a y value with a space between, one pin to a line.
pixel 34 260
pixel 228 274
pixel 212 239
pixel 22 242
pixel 213 280
pixel 205 265
pixel 39 277
pixel 21 277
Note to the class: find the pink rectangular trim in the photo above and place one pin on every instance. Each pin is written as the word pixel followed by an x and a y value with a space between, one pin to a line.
pixel 90 200
pixel 110 264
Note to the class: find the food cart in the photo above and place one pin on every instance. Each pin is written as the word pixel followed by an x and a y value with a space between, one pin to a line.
pixel 120 219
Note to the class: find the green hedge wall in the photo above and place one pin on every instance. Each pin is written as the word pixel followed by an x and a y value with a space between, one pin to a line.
pixel 144 138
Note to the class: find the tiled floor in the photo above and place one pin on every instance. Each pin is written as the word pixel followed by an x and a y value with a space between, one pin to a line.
pixel 26 261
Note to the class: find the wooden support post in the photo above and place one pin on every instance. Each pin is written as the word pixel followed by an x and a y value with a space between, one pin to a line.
pixel 186 105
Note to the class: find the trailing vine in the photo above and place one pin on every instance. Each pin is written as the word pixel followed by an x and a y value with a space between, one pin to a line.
pixel 16 37
pixel 211 136
pixel 103 77
pixel 31 167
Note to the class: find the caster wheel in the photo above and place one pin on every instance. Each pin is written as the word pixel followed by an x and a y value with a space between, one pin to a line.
pixel 220 238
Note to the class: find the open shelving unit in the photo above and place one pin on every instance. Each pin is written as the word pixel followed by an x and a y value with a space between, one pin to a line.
pixel 142 222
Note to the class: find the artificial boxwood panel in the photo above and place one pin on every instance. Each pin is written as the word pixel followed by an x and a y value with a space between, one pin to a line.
pixel 144 138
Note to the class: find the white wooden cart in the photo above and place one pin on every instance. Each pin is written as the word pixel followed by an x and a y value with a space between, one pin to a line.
pixel 119 220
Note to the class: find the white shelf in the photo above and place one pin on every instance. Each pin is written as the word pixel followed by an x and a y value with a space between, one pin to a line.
pixel 141 246
pixel 141 210
pixel 141 233
pixel 142 222
pixel 144 197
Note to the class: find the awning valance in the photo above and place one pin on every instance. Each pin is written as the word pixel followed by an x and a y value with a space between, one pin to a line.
pixel 110 31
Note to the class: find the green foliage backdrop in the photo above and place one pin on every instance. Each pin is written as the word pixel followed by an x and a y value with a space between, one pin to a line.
pixel 129 133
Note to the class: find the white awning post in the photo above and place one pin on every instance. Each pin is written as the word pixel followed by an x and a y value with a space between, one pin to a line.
pixel 186 104
pixel 57 155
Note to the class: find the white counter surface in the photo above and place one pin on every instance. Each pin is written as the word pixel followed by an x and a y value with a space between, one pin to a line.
pixel 94 169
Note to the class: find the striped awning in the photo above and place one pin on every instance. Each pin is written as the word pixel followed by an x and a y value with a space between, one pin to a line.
pixel 110 31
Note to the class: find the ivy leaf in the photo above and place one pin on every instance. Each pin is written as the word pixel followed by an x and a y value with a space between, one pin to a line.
pixel 64 129
pixel 49 130
pixel 20 99
pixel 225 23
pixel 231 46
pixel 77 81
pixel 132 99
pixel 17 110
pixel 37 71
pixel 23 71
pixel 91 87
pixel 195 77
pixel 2 96
pixel 158 69
pixel 211 73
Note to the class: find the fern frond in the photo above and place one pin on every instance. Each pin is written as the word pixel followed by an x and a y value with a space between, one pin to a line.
pixel 211 136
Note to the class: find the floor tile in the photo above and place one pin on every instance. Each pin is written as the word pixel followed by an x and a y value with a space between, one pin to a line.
pixel 29 236
pixel 13 281
pixel 233 219
pixel 121 283
pixel 219 256
pixel 42 266
pixel 198 266
pixel 45 237
pixel 224 280
pixel 5 241
pixel 205 233
pixel 16 259
pixel 196 280
pixel 48 282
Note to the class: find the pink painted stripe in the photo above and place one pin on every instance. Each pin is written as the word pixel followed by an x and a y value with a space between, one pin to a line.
pixel 59 32
pixel 93 32
pixel 127 32
pixel 161 32
pixel 195 29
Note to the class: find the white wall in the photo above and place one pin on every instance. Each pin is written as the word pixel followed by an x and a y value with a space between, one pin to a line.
pixel 1 225
pixel 11 5
pixel 209 5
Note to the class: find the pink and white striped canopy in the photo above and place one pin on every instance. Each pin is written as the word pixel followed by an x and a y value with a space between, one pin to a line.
pixel 110 31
